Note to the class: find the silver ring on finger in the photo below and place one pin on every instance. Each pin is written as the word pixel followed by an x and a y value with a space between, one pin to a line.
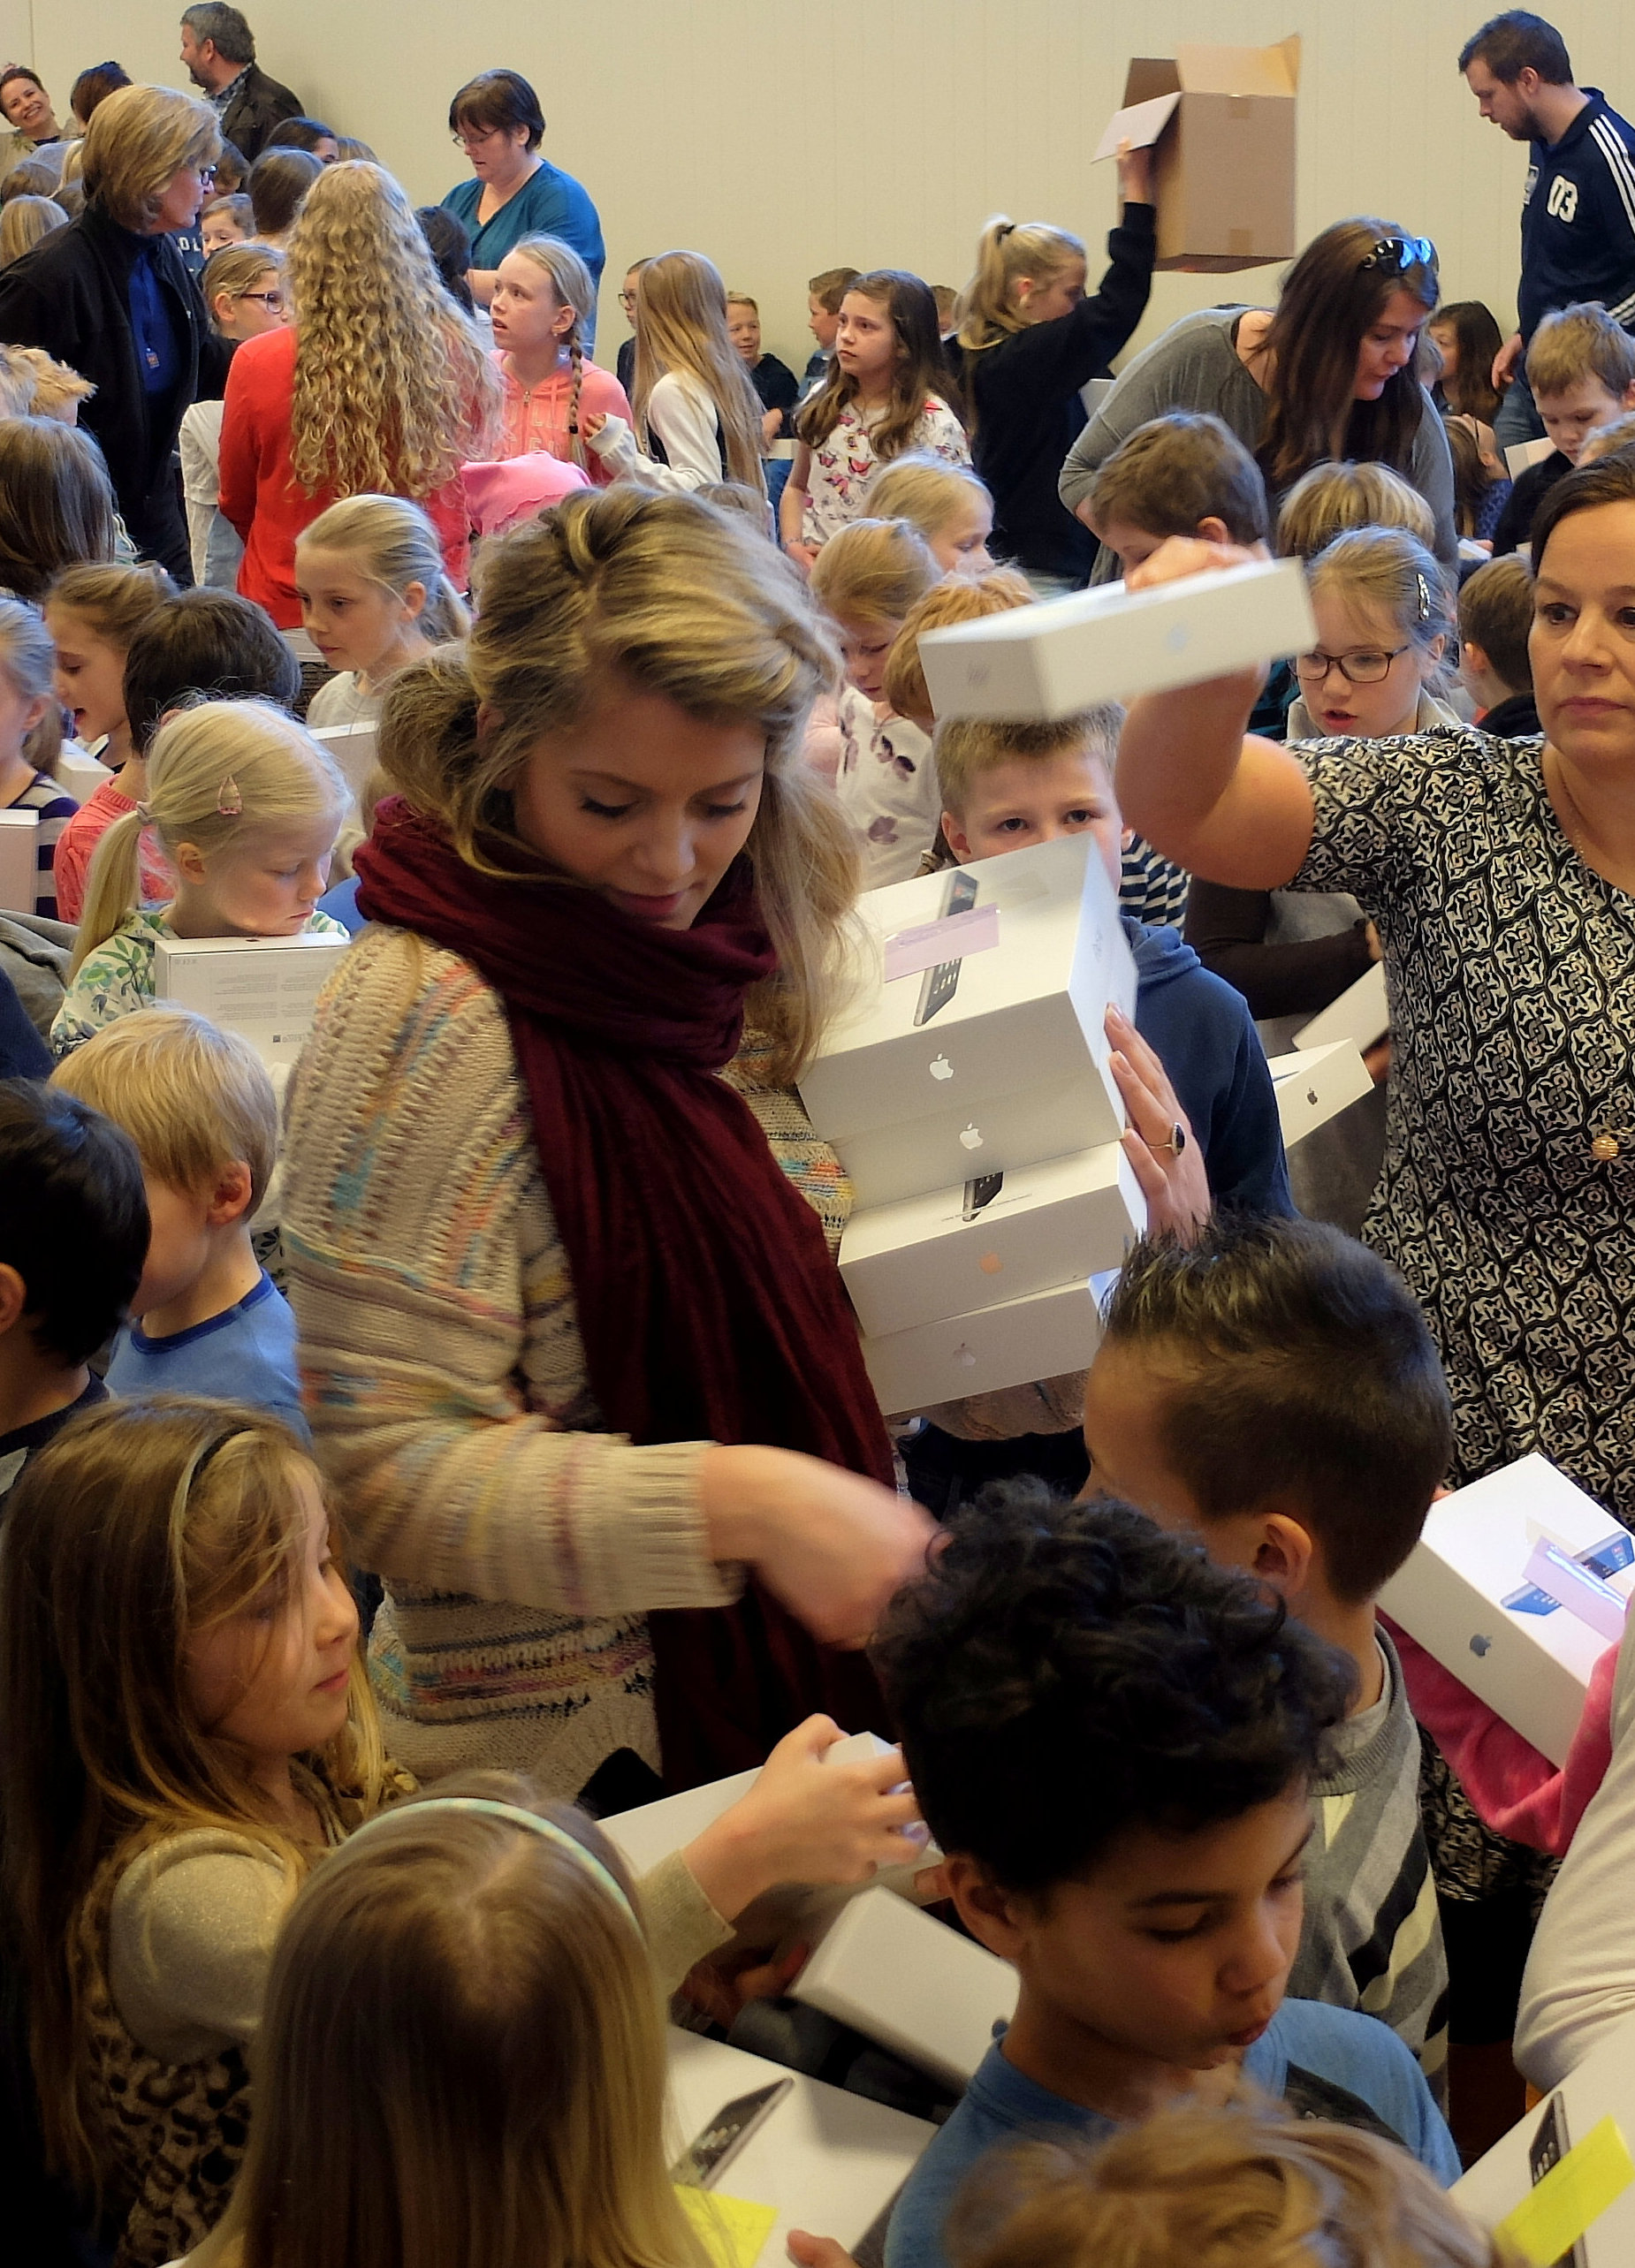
pixel 1174 1147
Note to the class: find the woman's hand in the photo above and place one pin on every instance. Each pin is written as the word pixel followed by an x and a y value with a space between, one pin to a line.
pixel 1135 176
pixel 830 1545
pixel 817 2251
pixel 1181 557
pixel 806 1821
pixel 1163 1153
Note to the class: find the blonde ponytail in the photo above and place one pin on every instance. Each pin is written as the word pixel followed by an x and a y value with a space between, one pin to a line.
pixel 217 773
pixel 987 310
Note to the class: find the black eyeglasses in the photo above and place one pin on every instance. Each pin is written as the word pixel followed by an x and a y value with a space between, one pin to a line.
pixel 266 299
pixel 1399 253
pixel 1363 668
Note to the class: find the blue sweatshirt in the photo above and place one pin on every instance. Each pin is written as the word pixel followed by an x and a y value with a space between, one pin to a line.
pixel 1578 219
pixel 247 1353
pixel 1202 1031
pixel 1325 2063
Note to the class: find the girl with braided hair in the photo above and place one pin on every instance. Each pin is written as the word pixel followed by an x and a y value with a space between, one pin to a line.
pixel 544 303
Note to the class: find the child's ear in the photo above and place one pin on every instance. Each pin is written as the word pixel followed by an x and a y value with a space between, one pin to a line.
pixel 189 863
pixel 988 1912
pixel 1287 1557
pixel 1434 651
pixel 1629 395
pixel 229 1199
pixel 1471 657
pixel 1213 530
pixel 13 1298
pixel 36 712
pixel 415 600
pixel 955 837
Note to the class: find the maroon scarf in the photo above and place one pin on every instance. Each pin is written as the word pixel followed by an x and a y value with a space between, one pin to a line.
pixel 708 1305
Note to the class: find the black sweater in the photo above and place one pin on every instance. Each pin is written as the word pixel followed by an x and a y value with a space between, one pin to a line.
pixel 1515 520
pixel 1025 396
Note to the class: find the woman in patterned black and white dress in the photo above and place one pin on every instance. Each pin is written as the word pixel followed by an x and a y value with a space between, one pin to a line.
pixel 1500 874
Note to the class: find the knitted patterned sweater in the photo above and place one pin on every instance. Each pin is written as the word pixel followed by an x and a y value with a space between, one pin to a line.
pixel 521 1544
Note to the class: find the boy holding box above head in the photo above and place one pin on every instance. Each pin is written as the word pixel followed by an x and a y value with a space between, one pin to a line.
pixel 1192 1069
pixel 1581 368
pixel 1495 622
pixel 1273 1387
pixel 199 1105
pixel 1185 473
pixel 1112 1741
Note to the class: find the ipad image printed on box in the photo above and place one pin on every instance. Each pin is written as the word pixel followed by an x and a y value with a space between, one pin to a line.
pixel 975 1041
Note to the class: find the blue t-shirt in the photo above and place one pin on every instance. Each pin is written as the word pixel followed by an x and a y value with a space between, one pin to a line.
pixel 245 1354
pixel 549 203
pixel 1328 2063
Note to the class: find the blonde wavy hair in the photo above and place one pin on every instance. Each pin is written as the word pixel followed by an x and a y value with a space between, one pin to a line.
pixel 954 600
pixel 927 490
pixel 462 2061
pixel 1235 2188
pixel 682 329
pixel 217 773
pixel 139 1527
pixel 1332 499
pixel 394 391
pixel 873 571
pixel 987 310
pixel 392 543
pixel 139 139
pixel 25 222
pixel 619 587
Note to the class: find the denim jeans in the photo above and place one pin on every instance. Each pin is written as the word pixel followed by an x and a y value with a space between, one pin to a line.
pixel 1519 418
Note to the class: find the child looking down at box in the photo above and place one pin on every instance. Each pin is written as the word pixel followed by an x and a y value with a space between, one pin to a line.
pixel 1273 1387
pixel 1112 1740
pixel 1581 368
pixel 1005 786
pixel 1185 474
pixel 199 1105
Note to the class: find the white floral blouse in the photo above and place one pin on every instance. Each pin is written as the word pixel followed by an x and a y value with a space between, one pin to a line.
pixel 843 464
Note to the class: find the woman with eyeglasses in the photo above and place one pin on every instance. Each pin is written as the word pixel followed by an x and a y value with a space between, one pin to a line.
pixel 244 293
pixel 111 296
pixel 496 121
pixel 1329 373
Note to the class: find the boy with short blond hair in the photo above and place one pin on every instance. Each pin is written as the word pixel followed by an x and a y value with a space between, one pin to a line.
pixel 1185 473
pixel 199 1105
pixel 1273 1389
pixel 1495 622
pixel 1581 370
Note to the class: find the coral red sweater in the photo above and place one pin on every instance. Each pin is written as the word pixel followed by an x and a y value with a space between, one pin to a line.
pixel 259 493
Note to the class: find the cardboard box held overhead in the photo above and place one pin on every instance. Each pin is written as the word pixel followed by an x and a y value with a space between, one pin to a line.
pixel 1226 159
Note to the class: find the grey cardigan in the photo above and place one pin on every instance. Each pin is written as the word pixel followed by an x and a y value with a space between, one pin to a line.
pixel 1194 366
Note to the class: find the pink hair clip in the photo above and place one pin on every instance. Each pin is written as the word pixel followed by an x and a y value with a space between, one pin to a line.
pixel 229 803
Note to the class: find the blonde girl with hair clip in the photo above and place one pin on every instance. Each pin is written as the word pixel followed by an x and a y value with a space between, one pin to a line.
pixel 243 288
pixel 578 1349
pixel 543 301
pixel 462 2061
pixel 949 505
pixel 379 386
pixel 93 614
pixel 373 596
pixel 696 417
pixel 867 580
pixel 31 741
pixel 1029 341
pixel 247 806
pixel 883 397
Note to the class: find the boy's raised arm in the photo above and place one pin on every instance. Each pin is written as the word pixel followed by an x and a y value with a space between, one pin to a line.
pixel 1233 809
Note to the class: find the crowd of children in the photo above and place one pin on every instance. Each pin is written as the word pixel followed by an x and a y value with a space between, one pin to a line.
pixel 263 1998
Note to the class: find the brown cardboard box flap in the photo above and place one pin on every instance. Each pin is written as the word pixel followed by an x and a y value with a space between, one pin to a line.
pixel 1239 69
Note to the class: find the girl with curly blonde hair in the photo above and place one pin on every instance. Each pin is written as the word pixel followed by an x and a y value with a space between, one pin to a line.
pixel 379 386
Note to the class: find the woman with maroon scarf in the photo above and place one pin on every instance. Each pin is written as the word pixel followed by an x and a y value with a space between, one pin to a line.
pixel 560 1235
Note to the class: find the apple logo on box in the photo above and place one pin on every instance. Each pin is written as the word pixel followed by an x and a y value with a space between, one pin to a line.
pixel 970 1139
pixel 963 1356
pixel 1481 1645
pixel 941 1068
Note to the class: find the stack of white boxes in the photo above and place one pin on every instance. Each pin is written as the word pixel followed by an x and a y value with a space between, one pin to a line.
pixel 968 1094
pixel 968 1091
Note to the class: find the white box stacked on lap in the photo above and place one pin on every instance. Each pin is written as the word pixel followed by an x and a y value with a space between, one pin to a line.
pixel 1519 1585
pixel 968 1094
pixel 20 855
pixel 263 988
pixel 1111 644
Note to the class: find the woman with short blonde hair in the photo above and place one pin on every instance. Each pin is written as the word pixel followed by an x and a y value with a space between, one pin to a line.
pixel 110 297
pixel 556 1218
pixel 379 386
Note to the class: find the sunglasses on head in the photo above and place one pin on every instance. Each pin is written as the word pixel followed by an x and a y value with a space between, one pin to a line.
pixel 1398 253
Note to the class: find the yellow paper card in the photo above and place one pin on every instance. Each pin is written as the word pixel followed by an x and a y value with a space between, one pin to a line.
pixel 733 2230
pixel 1572 2196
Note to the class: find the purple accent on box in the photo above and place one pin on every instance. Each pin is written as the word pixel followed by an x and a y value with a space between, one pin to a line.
pixel 1581 1593
pixel 955 937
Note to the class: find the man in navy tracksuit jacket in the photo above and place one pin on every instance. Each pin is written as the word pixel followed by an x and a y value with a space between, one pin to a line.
pixel 1579 206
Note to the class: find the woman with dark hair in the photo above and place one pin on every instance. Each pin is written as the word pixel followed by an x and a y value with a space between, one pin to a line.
pixel 110 296
pixel 448 240
pixel 1329 374
pixel 278 184
pixel 496 120
pixel 26 108
pixel 94 86
pixel 1466 335
pixel 306 133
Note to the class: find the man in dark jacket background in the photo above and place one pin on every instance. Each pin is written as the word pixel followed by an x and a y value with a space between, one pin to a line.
pixel 110 296
pixel 218 49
